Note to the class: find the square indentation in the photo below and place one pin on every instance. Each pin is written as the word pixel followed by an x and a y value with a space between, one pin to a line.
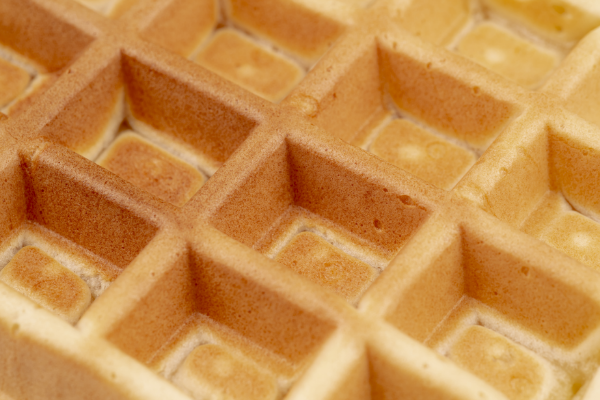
pixel 472 339
pixel 545 186
pixel 179 150
pixel 197 320
pixel 395 96
pixel 61 232
pixel 252 45
pixel 192 117
pixel 519 322
pixel 307 204
pixel 500 34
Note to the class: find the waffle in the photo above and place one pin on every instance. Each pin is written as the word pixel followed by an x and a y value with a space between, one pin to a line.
pixel 299 199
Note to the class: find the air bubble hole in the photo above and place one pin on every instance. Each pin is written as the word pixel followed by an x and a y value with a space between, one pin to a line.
pixel 407 200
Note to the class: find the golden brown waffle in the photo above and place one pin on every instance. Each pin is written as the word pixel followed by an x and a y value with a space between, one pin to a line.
pixel 189 207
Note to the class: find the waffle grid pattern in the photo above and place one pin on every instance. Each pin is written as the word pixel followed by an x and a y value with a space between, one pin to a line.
pixel 486 236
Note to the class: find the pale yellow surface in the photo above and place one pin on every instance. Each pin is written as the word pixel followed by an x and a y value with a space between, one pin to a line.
pixel 577 236
pixel 121 7
pixel 548 209
pixel 322 263
pixel 434 20
pixel 566 20
pixel 421 153
pixel 507 55
pixel 13 82
pixel 500 362
pixel 253 67
pixel 212 372
pixel 568 231
pixel 39 277
pixel 152 169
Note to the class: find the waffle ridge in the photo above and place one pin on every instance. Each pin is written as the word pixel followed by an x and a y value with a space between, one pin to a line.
pixel 299 199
